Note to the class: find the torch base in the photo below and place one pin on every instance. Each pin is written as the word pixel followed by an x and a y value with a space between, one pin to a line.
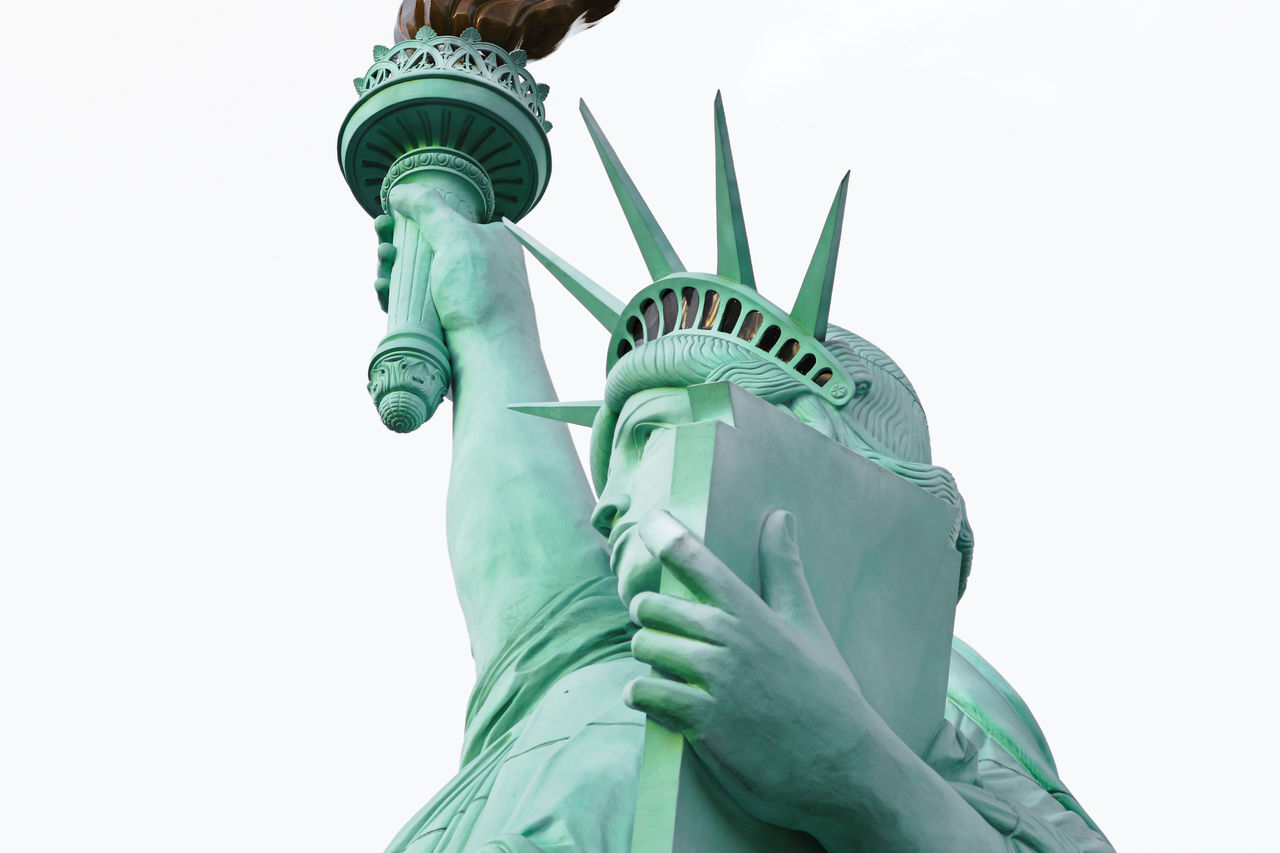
pixel 452 114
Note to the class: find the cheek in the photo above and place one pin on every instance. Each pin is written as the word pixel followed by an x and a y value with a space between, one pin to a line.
pixel 648 477
pixel 646 481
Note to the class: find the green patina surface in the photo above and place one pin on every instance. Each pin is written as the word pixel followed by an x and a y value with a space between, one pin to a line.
pixel 742 638
pixel 463 118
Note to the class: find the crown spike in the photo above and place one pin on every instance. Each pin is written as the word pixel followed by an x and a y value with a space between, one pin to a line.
pixel 814 301
pixel 659 256
pixel 602 304
pixel 578 414
pixel 734 253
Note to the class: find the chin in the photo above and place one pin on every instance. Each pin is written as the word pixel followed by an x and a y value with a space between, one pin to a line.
pixel 636 569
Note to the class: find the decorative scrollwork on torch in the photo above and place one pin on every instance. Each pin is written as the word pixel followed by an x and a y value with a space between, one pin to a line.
pixel 430 52
pixel 405 389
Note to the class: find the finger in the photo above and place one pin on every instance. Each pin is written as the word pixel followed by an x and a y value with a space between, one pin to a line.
pixel 782 582
pixel 385 227
pixel 386 259
pixel 678 616
pixel 681 657
pixel 675 705
pixel 694 565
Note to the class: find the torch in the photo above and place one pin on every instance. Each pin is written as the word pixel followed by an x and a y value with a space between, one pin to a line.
pixel 459 115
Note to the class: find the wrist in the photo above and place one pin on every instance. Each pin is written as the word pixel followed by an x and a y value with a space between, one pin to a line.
pixel 494 340
pixel 893 800
pixel 869 780
pixel 498 360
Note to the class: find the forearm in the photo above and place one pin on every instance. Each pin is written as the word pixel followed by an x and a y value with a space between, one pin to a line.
pixel 519 504
pixel 889 799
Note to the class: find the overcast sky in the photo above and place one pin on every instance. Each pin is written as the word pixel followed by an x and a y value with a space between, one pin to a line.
pixel 227 620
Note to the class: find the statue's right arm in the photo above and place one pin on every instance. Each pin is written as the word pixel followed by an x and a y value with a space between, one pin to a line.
pixel 519 505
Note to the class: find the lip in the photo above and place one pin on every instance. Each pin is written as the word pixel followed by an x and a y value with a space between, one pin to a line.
pixel 616 533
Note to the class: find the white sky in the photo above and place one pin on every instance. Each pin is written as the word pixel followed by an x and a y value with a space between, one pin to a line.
pixel 227 621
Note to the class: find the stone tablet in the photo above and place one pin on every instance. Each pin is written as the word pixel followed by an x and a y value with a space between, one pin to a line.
pixel 880 558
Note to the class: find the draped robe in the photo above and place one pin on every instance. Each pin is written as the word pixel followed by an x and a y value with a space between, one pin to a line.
pixel 551 755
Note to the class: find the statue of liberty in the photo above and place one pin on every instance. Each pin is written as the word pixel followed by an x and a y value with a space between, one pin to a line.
pixel 599 621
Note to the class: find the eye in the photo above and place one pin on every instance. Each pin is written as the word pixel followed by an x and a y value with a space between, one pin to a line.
pixel 641 432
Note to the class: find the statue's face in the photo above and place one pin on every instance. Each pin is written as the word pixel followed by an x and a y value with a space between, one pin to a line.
pixel 641 463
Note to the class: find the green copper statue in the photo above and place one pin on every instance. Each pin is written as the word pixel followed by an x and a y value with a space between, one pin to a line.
pixel 744 642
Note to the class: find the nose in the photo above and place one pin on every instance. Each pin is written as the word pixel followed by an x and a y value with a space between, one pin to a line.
pixel 607 512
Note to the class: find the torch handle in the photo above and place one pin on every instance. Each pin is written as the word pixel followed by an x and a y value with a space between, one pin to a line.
pixel 410 306
pixel 410 372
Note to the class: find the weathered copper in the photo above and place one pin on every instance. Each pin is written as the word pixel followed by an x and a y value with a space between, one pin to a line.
pixel 535 26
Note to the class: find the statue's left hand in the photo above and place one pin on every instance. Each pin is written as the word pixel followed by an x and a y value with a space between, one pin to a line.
pixel 763 694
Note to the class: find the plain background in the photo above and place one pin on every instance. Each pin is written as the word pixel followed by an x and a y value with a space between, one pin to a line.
pixel 227 621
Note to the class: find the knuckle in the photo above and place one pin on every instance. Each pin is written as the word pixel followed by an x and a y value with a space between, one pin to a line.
pixel 713 661
pixel 781 550
pixel 681 548
pixel 670 547
pixel 717 623
pixel 784 559
pixel 695 720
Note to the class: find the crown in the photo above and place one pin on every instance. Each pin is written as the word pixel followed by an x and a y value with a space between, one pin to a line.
pixel 725 305
pixel 430 53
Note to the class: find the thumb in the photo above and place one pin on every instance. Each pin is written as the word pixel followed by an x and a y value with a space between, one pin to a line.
pixel 782 582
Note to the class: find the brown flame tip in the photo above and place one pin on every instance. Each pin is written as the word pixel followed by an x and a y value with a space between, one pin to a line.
pixel 535 26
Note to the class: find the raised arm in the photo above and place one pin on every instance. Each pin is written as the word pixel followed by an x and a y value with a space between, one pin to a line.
pixel 519 505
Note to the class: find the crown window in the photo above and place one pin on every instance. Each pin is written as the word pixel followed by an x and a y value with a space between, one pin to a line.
pixel 751 325
pixel 710 307
pixel 650 311
pixel 669 306
pixel 688 308
pixel 729 322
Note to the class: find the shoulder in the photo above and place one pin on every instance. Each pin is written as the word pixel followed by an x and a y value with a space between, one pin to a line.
pixel 990 714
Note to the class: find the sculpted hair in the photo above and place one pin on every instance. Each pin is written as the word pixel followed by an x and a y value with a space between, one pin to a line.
pixel 884 422
pixel 888 414
pixel 534 26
